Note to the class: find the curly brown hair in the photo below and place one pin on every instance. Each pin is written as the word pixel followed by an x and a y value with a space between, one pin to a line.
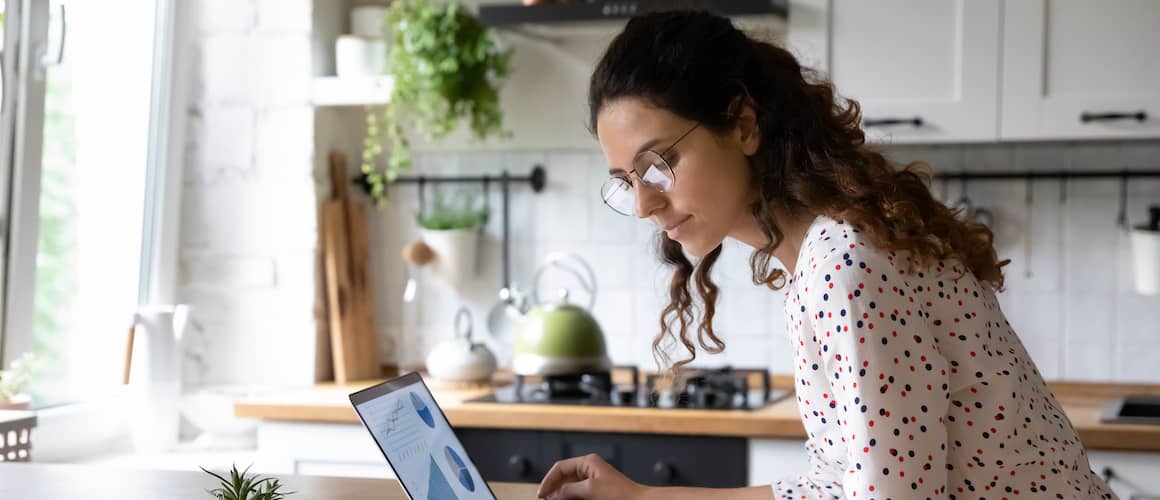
pixel 813 158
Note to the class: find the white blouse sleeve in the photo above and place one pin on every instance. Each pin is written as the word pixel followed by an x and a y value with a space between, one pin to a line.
pixel 889 382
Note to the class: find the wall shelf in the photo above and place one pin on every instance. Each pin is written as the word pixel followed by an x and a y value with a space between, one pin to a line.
pixel 366 91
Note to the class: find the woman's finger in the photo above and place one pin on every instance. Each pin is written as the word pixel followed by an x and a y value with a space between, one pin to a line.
pixel 562 471
pixel 578 489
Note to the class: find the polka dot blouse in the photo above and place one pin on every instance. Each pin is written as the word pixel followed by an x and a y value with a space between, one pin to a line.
pixel 912 384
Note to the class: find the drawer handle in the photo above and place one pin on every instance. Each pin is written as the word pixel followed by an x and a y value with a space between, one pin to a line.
pixel 1088 117
pixel 663 472
pixel 882 122
pixel 519 465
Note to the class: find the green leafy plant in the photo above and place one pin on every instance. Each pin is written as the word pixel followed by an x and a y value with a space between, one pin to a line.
pixel 463 213
pixel 13 380
pixel 242 486
pixel 446 68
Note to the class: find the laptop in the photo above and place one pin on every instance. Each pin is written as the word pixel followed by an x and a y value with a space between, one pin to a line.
pixel 418 442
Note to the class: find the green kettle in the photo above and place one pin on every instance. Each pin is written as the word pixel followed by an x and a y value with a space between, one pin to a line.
pixel 560 338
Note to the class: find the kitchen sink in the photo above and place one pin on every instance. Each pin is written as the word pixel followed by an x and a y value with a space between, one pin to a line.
pixel 1132 410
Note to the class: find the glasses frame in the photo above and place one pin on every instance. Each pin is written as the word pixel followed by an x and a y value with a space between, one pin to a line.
pixel 627 177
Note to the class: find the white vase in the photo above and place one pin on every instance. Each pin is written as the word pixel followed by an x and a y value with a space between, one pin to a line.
pixel 1146 260
pixel 155 376
pixel 368 20
pixel 455 250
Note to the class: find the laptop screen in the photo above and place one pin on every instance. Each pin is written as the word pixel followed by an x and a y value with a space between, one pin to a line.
pixel 417 440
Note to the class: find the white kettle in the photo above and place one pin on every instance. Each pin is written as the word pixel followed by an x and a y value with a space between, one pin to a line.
pixel 459 359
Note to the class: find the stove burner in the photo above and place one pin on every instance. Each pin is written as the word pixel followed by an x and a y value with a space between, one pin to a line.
pixel 721 388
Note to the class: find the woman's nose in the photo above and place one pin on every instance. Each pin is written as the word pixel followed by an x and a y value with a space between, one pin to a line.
pixel 648 200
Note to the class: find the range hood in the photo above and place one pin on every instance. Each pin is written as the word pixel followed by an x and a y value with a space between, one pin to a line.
pixel 589 12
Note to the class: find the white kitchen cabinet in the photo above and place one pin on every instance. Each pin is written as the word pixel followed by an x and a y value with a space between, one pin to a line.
pixel 931 65
pixel 1063 59
pixel 1136 470
pixel 319 449
pixel 771 460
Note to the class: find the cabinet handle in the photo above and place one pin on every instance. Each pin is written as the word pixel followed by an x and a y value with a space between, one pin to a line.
pixel 880 122
pixel 663 473
pixel 1088 117
pixel 519 465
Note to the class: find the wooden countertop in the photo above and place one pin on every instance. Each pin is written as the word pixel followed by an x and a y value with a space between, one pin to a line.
pixel 329 403
pixel 22 481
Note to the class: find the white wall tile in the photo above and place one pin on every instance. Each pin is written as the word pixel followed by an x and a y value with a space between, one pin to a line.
pixel 1137 362
pixel 614 312
pixel 225 69
pixel 1095 155
pixel 1040 156
pixel 279 75
pixel 746 311
pixel 1138 319
pixel 224 16
pixel 279 16
pixel 1086 361
pixel 1046 353
pixel 1090 235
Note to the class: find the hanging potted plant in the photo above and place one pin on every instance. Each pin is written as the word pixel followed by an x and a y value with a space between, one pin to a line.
pixel 451 230
pixel 447 67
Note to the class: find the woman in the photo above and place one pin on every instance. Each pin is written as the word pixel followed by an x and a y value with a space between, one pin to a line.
pixel 909 379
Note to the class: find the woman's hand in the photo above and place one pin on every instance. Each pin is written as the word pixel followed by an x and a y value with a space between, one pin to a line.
pixel 588 477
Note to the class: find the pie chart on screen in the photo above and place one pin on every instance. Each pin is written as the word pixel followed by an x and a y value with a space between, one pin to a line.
pixel 423 411
pixel 456 464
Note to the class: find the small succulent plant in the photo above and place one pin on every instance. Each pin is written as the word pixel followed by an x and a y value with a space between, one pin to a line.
pixel 243 486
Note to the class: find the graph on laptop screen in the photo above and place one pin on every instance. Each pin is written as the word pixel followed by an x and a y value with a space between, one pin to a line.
pixel 426 455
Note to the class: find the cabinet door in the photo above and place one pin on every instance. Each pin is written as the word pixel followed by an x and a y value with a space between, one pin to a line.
pixel 923 70
pixel 1136 472
pixel 514 456
pixel 701 461
pixel 1063 59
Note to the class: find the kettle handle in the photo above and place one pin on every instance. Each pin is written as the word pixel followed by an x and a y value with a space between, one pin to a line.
pixel 587 279
pixel 463 324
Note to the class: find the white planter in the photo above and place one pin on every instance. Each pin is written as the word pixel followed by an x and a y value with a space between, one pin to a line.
pixel 455 252
pixel 359 56
pixel 18 402
pixel 1146 261
pixel 368 20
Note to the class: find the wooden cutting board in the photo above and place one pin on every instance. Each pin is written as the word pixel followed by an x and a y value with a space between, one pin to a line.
pixel 354 343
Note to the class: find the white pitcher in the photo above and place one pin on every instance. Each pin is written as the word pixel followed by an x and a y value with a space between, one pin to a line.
pixel 153 372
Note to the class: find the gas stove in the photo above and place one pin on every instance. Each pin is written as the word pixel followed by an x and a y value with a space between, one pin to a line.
pixel 698 388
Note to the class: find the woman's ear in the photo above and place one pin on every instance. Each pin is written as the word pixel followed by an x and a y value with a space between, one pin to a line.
pixel 748 134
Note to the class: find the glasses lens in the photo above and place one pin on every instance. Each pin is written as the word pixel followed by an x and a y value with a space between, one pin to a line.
pixel 617 194
pixel 654 171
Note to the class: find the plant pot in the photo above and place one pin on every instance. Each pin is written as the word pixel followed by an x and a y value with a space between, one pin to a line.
pixel 1146 260
pixel 455 251
pixel 18 402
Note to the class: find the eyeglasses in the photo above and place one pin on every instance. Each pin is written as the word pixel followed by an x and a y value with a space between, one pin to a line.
pixel 653 171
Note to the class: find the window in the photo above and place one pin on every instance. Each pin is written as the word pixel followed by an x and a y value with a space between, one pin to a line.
pixel 81 178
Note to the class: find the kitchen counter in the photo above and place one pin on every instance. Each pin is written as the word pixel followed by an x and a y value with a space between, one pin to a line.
pixel 329 403
pixel 21 481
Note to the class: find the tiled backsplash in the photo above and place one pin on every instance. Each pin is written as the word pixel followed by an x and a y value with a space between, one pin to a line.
pixel 1073 305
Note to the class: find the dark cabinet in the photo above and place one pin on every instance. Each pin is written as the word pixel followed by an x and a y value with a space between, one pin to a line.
pixel 506 455
pixel 655 460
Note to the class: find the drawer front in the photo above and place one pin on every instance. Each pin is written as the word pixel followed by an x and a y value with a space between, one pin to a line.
pixel 656 460
pixel 506 455
pixel 710 462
